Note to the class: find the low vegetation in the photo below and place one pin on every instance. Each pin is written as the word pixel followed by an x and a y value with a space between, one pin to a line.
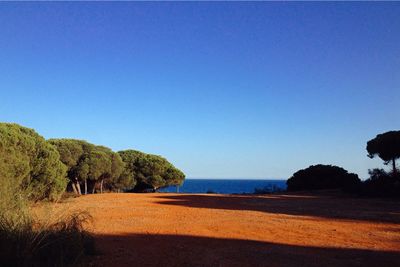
pixel 381 183
pixel 26 241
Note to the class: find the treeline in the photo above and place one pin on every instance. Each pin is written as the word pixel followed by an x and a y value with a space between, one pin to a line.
pixel 31 170
pixel 47 167
pixel 381 183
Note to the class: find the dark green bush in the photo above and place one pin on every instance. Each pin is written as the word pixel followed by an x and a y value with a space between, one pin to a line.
pixel 319 177
pixel 381 184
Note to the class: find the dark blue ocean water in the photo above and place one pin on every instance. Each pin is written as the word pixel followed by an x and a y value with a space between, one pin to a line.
pixel 225 186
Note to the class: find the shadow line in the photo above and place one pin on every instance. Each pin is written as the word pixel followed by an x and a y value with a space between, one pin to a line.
pixel 332 207
pixel 180 250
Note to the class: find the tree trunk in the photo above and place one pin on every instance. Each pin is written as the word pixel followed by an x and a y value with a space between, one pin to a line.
pixel 78 186
pixel 85 186
pixel 101 186
pixel 74 188
pixel 94 187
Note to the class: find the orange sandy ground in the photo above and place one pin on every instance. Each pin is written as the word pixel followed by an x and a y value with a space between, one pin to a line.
pixel 231 230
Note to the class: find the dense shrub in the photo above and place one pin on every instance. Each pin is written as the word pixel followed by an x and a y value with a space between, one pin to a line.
pixel 28 160
pixel 317 177
pixel 381 184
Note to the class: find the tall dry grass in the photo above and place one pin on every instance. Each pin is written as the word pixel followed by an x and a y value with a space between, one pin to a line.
pixel 25 241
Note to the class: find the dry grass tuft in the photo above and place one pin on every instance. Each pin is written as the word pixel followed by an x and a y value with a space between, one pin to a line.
pixel 25 241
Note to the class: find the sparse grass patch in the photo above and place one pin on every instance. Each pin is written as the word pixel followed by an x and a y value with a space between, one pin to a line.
pixel 66 196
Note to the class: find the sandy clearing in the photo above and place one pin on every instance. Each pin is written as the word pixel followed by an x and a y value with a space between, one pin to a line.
pixel 232 230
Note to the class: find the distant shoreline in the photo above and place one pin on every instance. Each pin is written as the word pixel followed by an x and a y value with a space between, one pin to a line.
pixel 227 186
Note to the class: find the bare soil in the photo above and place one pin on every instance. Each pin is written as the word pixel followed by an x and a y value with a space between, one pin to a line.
pixel 232 230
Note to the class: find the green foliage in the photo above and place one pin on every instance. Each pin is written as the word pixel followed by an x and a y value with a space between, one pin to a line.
pixel 86 161
pixel 323 177
pixel 152 170
pixel 122 179
pixel 30 169
pixel 386 146
pixel 30 161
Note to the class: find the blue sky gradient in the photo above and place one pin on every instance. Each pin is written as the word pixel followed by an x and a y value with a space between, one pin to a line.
pixel 220 89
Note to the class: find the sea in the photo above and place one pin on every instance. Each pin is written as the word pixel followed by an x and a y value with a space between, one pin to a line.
pixel 227 186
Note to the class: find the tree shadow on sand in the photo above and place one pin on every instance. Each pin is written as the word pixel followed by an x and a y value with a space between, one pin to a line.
pixel 180 250
pixel 302 205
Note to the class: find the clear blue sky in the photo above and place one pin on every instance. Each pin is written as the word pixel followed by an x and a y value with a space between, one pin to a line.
pixel 220 89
